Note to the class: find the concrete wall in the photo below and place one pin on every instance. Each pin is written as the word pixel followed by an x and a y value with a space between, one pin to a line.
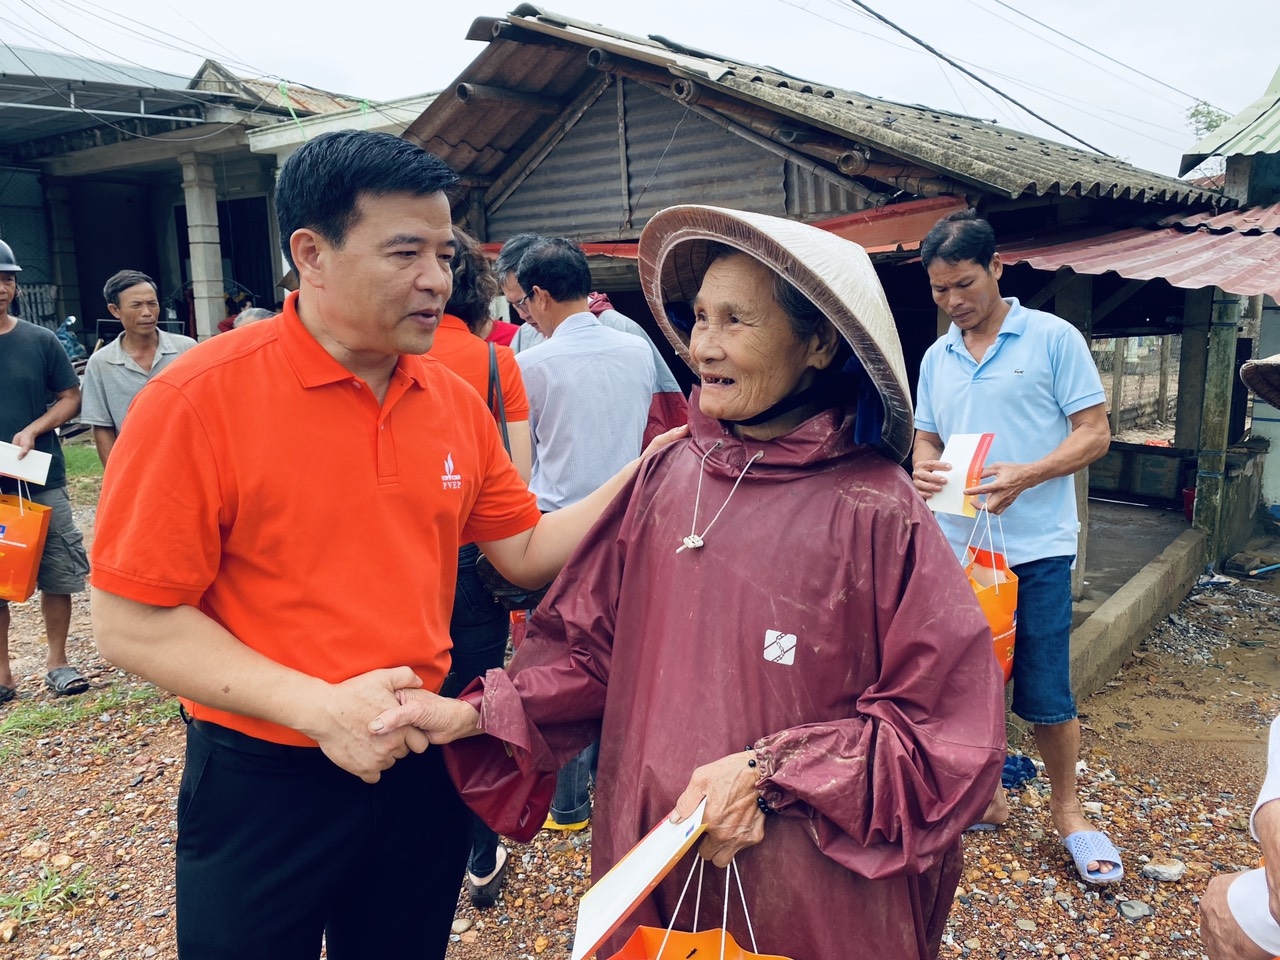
pixel 1106 639
pixel 1240 499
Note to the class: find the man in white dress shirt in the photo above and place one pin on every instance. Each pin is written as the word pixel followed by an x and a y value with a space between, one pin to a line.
pixel 589 390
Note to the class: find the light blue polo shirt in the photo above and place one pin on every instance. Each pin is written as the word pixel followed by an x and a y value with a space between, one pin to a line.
pixel 1037 374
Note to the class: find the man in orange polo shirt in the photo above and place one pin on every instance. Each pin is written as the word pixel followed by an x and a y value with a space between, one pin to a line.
pixel 277 541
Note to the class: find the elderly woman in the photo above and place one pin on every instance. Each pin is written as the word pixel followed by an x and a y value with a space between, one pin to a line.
pixel 769 617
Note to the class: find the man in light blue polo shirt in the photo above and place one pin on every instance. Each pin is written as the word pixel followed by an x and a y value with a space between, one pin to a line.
pixel 589 390
pixel 117 371
pixel 1028 378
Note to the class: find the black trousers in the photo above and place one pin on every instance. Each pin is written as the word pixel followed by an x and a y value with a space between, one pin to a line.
pixel 277 845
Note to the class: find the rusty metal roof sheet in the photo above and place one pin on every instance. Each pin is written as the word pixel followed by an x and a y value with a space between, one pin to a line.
pixel 1240 263
pixel 1248 220
pixel 534 51
pixel 1255 129
pixel 281 95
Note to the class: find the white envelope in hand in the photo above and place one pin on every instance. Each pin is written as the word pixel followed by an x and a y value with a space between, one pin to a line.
pixel 967 453
pixel 34 467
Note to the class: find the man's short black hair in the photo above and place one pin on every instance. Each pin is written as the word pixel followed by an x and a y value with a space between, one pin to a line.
pixel 320 185
pixel 558 266
pixel 962 236
pixel 509 256
pixel 121 281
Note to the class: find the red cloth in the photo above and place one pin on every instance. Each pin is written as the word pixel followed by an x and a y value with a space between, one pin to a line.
pixel 502 333
pixel 227 323
pixel 879 744
pixel 666 410
pixel 598 303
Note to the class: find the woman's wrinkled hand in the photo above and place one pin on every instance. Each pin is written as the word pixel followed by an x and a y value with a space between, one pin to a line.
pixel 734 819
pixel 442 719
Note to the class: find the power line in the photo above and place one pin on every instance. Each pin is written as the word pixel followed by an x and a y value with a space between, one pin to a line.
pixel 1106 56
pixel 1071 53
pixel 1094 110
pixel 971 74
pixel 1075 103
pixel 201 52
pixel 107 123
pixel 139 80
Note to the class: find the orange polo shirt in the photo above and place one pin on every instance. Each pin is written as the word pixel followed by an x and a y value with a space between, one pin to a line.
pixel 468 356
pixel 260 481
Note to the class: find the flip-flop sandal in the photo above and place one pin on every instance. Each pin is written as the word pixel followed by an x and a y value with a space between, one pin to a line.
pixel 981 827
pixel 65 681
pixel 7 693
pixel 1088 846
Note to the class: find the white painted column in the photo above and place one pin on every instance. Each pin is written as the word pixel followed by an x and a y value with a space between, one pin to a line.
pixel 1266 418
pixel 201 191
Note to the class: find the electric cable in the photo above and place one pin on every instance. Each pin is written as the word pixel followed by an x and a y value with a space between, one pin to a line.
pixel 107 123
pixel 1105 56
pixel 1092 109
pixel 970 73
pixel 1069 53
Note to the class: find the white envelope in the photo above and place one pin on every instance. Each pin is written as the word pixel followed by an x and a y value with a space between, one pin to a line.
pixel 34 467
pixel 612 898
pixel 967 453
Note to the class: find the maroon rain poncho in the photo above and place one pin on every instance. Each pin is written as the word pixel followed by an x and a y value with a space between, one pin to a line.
pixel 827 623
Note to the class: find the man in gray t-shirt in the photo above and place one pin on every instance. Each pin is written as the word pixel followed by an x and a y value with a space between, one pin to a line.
pixel 120 369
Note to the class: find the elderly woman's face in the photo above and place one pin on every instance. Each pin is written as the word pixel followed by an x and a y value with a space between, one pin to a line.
pixel 743 344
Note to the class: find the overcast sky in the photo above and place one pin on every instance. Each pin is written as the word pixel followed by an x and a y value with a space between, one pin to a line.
pixel 381 51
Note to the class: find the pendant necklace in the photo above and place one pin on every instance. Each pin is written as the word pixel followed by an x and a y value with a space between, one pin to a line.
pixel 696 540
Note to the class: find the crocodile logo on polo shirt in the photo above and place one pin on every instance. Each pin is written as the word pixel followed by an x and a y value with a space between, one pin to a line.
pixel 449 479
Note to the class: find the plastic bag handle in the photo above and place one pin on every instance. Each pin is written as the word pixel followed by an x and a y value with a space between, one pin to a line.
pixel 977 526
pixel 732 869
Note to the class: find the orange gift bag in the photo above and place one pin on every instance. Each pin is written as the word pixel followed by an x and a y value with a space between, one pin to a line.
pixel 652 943
pixel 23 528
pixel 996 587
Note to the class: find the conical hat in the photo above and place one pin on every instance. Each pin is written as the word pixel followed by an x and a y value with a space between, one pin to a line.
pixel 1262 377
pixel 832 272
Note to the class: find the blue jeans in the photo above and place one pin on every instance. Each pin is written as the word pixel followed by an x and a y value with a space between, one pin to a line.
pixel 572 802
pixel 479 628
pixel 1042 645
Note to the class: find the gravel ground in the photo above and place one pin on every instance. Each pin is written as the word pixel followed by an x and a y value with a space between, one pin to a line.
pixel 1174 752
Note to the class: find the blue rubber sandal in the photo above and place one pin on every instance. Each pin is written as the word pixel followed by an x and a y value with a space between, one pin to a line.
pixel 1088 846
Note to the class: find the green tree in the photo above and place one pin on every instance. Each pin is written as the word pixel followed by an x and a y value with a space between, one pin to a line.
pixel 1204 118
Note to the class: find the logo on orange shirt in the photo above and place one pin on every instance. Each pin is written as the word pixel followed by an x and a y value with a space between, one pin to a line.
pixel 449 479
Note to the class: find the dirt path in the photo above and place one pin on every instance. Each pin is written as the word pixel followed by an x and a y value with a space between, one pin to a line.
pixel 1174 750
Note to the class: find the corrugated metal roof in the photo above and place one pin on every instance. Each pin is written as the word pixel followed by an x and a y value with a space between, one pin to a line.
pixel 1255 129
pixel 293 97
pixel 539 52
pixel 1249 220
pixel 29 62
pixel 994 158
pixel 1240 263
pixel 45 94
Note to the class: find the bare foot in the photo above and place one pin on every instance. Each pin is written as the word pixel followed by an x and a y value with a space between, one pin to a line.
pixel 997 811
pixel 1069 818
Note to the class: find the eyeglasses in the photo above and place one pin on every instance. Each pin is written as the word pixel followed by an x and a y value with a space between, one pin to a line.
pixel 520 304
